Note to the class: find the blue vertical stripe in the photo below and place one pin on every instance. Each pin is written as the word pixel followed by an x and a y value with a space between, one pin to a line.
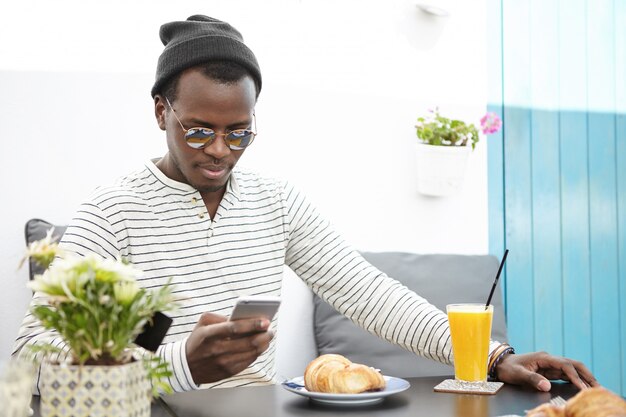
pixel 572 55
pixel 602 192
pixel 546 236
pixel 620 138
pixel 517 172
pixel 518 217
pixel 545 156
pixel 603 248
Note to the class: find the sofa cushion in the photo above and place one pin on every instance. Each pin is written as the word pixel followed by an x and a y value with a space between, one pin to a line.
pixel 36 229
pixel 441 279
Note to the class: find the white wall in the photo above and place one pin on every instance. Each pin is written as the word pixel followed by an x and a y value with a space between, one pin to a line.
pixel 75 112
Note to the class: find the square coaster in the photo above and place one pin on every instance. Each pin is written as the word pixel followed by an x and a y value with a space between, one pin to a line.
pixel 451 385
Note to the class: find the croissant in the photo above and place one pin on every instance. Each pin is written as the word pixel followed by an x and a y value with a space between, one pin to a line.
pixel 336 374
pixel 591 402
pixel 546 410
pixel 596 402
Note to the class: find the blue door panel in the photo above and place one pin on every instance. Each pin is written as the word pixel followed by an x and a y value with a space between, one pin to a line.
pixel 557 177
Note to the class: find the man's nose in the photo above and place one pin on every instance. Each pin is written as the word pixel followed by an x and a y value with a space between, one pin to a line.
pixel 218 147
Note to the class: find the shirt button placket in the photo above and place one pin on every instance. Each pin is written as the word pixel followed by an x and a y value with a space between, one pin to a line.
pixel 202 215
pixel 194 201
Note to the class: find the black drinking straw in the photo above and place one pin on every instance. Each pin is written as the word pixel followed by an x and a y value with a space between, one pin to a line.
pixel 495 282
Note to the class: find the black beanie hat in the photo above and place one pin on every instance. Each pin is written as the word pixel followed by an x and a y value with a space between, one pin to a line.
pixel 198 40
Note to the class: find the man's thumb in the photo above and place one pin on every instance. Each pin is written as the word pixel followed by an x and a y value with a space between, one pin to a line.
pixel 539 382
pixel 210 318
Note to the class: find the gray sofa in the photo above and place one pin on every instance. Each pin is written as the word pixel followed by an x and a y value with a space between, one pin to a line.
pixel 441 279
pixel 309 327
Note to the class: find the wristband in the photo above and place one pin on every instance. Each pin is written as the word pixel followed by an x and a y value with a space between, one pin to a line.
pixel 498 354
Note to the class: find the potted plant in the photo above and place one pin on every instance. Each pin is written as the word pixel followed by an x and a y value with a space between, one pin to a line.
pixel 443 149
pixel 98 309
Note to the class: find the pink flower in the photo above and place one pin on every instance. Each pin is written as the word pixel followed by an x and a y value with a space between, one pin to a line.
pixel 490 123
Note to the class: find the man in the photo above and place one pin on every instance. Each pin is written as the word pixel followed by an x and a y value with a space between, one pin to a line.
pixel 222 232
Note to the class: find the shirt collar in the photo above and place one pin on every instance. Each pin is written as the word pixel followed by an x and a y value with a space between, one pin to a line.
pixel 232 187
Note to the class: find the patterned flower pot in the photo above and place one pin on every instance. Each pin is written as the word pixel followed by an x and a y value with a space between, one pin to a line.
pixel 94 391
pixel 441 169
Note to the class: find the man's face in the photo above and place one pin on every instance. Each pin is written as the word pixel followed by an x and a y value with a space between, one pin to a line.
pixel 203 102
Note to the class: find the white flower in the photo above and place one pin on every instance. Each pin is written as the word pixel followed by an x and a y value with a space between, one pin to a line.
pixel 49 283
pixel 69 276
pixel 43 251
pixel 125 292
pixel 110 270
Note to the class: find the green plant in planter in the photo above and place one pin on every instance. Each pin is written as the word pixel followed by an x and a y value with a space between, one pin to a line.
pixel 97 307
pixel 435 129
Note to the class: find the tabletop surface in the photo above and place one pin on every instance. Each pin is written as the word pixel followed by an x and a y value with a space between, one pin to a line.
pixel 418 400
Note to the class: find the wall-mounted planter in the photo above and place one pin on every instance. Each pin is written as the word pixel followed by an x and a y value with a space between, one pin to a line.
pixel 441 169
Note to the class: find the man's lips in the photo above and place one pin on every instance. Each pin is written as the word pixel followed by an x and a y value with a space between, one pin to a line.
pixel 212 172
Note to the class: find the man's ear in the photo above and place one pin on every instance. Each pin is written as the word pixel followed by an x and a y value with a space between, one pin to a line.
pixel 159 110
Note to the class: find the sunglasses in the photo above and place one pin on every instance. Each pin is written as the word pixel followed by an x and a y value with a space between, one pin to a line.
pixel 201 137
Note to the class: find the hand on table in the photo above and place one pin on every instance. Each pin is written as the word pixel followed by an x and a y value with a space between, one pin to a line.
pixel 218 348
pixel 535 370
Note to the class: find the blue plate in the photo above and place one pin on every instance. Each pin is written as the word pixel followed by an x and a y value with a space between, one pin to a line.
pixel 394 386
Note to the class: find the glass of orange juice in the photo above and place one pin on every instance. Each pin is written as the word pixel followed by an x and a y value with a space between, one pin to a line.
pixel 470 328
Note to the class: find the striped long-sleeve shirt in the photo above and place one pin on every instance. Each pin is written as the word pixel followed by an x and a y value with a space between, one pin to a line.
pixel 162 226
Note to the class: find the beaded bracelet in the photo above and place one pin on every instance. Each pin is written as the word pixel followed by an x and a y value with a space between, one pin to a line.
pixel 496 352
pixel 499 354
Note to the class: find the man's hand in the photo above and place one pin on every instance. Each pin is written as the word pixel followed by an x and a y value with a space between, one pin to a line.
pixel 217 348
pixel 535 370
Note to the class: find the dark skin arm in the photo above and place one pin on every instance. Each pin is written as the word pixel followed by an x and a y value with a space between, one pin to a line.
pixel 218 348
pixel 536 369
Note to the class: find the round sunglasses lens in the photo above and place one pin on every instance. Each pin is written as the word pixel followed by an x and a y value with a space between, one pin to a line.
pixel 239 139
pixel 198 138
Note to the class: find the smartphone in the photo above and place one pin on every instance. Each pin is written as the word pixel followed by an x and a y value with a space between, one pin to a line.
pixel 255 306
